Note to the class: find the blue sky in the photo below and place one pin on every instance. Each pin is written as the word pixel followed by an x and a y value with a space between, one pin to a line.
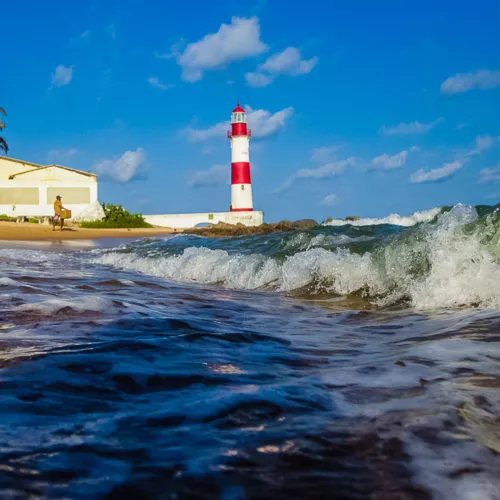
pixel 356 107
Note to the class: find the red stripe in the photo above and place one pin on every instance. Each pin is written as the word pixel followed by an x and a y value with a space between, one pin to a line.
pixel 240 172
pixel 241 209
pixel 239 129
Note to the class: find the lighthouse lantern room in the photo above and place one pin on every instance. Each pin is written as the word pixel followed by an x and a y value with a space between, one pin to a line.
pixel 241 184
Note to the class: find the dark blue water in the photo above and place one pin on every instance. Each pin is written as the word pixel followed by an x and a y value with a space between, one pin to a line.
pixel 132 383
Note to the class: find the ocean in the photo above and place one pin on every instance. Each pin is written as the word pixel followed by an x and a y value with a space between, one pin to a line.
pixel 348 361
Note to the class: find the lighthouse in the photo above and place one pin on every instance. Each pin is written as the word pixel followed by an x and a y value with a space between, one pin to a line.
pixel 241 209
pixel 241 183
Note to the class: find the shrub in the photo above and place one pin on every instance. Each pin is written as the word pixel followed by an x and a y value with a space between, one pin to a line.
pixel 117 217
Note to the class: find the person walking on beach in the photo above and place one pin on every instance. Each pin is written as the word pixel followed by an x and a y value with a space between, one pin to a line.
pixel 57 219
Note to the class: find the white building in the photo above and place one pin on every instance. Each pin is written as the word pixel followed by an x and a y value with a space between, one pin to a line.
pixel 29 190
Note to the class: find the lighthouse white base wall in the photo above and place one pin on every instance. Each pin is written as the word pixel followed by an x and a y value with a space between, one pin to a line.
pixel 185 221
pixel 241 196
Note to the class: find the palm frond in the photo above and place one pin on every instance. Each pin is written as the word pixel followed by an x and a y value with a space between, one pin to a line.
pixel 3 112
pixel 3 145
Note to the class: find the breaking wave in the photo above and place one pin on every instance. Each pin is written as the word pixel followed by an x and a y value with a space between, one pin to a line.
pixel 446 258
pixel 394 219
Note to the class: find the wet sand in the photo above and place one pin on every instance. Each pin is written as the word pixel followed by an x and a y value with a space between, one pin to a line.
pixel 13 231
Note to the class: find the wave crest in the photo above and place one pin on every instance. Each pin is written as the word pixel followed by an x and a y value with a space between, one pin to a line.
pixel 449 262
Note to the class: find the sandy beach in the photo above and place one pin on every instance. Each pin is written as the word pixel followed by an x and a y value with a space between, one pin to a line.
pixel 13 231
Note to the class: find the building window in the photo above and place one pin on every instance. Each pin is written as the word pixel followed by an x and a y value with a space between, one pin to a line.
pixel 243 187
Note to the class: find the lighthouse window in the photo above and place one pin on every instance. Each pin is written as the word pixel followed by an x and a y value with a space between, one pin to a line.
pixel 243 187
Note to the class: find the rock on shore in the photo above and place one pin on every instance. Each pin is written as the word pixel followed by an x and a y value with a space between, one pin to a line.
pixel 223 230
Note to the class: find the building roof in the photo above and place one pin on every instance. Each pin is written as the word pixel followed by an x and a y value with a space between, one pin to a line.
pixel 36 165
pixel 238 109
pixel 41 167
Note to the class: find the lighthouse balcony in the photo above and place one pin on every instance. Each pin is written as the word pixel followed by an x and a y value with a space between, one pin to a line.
pixel 247 134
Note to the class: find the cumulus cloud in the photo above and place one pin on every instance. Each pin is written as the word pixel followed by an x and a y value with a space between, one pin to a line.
pixel 330 200
pixel 60 155
pixel 258 79
pixel 232 42
pixel 332 169
pixel 490 174
pixel 463 82
pixel 388 162
pixel 216 175
pixel 325 154
pixel 131 165
pixel 157 84
pixel 415 127
pixel 62 76
pixel 263 123
pixel 289 62
pixel 326 171
pixel 437 174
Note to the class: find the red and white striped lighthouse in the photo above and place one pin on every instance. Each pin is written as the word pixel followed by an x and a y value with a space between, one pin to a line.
pixel 241 184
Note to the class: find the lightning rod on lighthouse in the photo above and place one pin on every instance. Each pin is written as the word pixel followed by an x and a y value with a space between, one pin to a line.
pixel 241 184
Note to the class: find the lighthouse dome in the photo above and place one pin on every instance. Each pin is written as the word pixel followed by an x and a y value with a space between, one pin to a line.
pixel 238 109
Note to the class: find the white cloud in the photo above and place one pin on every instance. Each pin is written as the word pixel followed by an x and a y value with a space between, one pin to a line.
pixel 263 123
pixel 326 171
pixel 325 154
pixel 410 128
pixel 388 162
pixel 131 165
pixel 490 174
pixel 157 84
pixel 463 82
pixel 60 155
pixel 233 42
pixel 330 200
pixel 437 174
pixel 332 169
pixel 217 130
pixel 175 51
pixel 258 79
pixel 62 76
pixel 216 175
pixel 483 143
pixel 289 62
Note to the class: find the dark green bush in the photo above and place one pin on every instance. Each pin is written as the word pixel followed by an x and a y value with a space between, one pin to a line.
pixel 117 217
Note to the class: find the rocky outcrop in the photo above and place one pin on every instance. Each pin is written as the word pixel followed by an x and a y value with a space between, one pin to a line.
pixel 223 230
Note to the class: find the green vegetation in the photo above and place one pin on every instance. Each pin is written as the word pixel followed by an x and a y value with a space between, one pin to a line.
pixel 3 143
pixel 33 220
pixel 5 217
pixel 117 217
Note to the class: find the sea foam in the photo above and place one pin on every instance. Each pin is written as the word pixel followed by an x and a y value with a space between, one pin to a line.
pixel 451 262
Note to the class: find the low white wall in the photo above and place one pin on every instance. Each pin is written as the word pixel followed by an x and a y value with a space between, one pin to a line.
pixel 184 221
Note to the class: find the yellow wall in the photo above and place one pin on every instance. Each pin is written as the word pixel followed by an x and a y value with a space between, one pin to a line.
pixel 69 195
pixel 9 167
pixel 53 174
pixel 19 196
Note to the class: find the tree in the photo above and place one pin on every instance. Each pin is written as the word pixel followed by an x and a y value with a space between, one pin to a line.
pixel 3 143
